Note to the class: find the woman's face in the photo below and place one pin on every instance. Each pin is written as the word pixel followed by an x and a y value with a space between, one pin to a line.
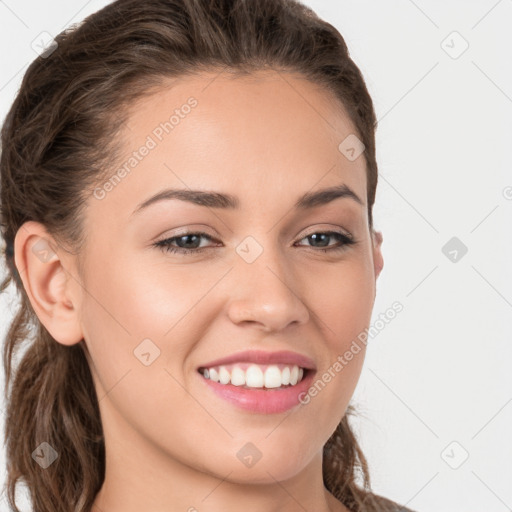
pixel 151 318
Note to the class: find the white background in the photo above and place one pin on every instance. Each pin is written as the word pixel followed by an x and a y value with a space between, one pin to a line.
pixel 441 370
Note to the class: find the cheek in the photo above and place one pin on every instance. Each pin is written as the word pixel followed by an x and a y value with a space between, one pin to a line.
pixel 126 314
pixel 132 309
pixel 341 298
pixel 119 311
pixel 133 300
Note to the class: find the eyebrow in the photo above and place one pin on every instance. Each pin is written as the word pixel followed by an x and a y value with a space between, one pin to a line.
pixel 228 201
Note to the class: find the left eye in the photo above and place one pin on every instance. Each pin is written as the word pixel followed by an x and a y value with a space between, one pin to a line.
pixel 189 239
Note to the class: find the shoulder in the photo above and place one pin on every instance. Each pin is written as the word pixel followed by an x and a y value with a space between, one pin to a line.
pixel 374 502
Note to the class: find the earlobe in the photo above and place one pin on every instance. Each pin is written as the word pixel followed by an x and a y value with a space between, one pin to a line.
pixel 37 257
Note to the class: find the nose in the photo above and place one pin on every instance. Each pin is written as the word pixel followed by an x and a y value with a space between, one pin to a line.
pixel 266 292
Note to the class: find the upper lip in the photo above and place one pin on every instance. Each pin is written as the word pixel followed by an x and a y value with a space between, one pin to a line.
pixel 262 357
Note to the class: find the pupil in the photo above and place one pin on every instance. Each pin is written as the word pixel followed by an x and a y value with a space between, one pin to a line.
pixel 317 235
pixel 187 237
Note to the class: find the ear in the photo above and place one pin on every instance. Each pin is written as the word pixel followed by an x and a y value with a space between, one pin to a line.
pixel 37 257
pixel 378 260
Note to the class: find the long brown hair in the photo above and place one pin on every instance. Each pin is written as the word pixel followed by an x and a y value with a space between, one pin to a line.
pixel 59 141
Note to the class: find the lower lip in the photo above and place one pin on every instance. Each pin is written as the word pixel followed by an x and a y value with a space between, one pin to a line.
pixel 263 401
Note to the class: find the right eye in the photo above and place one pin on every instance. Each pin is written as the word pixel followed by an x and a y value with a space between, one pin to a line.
pixel 185 238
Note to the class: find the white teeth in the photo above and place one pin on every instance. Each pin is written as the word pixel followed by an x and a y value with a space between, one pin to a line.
pixel 255 376
pixel 237 376
pixel 294 375
pixel 273 377
pixel 224 375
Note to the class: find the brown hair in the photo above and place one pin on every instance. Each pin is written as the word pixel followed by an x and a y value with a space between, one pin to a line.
pixel 59 141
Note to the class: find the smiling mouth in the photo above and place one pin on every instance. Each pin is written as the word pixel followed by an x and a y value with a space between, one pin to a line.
pixel 255 376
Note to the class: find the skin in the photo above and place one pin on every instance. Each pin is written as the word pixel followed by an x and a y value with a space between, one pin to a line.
pixel 171 443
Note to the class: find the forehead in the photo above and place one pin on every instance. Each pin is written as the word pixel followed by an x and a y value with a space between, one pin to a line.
pixel 260 137
pixel 263 99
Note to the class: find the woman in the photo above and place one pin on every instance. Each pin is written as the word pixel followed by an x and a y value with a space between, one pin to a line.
pixel 168 169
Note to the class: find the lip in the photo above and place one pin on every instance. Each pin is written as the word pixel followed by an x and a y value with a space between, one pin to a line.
pixel 262 357
pixel 263 401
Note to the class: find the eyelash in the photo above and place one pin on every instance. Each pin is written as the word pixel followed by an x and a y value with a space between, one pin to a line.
pixel 165 245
